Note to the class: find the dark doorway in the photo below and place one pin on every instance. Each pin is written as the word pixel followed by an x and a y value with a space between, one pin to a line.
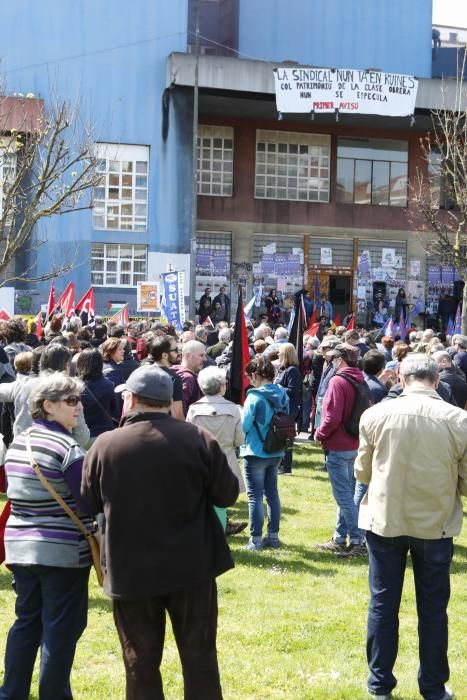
pixel 340 294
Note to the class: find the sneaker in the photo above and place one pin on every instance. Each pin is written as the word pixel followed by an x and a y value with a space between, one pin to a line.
pixel 354 550
pixel 332 546
pixel 380 697
pixel 448 694
pixel 271 542
pixel 255 546
pixel 234 528
pixel 284 472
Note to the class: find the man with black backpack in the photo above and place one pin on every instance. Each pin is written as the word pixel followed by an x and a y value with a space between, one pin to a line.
pixel 347 396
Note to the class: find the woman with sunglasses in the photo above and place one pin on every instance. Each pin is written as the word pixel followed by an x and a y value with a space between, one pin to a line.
pixel 48 555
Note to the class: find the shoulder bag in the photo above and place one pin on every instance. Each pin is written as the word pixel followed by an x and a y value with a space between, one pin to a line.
pixel 90 537
pixel 103 409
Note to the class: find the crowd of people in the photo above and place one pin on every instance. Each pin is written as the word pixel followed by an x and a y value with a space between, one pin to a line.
pixel 134 427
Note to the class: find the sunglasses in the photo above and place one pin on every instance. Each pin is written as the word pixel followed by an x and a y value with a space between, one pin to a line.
pixel 72 400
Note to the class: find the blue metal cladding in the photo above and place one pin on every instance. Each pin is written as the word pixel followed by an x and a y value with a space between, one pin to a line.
pixel 392 35
pixel 111 59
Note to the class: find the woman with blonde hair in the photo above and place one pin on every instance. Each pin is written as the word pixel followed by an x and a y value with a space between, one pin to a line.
pixel 289 377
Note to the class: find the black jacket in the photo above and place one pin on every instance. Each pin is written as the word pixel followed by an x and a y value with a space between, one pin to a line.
pixel 291 379
pixel 456 381
pixel 100 405
pixel 444 392
pixel 156 479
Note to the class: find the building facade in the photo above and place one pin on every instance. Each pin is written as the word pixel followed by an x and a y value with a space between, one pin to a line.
pixel 283 200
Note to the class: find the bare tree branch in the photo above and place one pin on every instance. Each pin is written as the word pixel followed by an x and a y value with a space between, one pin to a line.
pixel 439 191
pixel 48 170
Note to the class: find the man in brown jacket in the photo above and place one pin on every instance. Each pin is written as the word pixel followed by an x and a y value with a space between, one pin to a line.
pixel 156 479
pixel 413 455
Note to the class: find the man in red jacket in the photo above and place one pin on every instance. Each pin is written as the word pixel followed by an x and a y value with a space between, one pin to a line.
pixel 342 449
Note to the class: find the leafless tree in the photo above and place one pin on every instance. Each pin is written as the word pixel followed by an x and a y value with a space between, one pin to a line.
pixel 440 189
pixel 48 168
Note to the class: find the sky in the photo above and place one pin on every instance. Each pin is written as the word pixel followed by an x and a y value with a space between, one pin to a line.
pixel 450 12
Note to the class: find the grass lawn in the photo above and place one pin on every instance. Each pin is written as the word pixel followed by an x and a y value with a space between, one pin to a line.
pixel 291 621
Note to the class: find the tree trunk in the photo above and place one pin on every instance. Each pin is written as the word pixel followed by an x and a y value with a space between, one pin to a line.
pixel 464 310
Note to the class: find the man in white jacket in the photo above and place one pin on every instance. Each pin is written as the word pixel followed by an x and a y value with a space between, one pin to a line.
pixel 413 455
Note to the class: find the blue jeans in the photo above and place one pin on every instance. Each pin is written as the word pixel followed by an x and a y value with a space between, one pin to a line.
pixel 51 613
pixel 340 467
pixel 360 491
pixel 431 560
pixel 261 480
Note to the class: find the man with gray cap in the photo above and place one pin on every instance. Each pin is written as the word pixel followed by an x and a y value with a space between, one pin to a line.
pixel 413 456
pixel 328 344
pixel 338 405
pixel 156 479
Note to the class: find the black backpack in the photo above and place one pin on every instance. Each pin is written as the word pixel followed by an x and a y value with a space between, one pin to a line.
pixel 281 432
pixel 362 401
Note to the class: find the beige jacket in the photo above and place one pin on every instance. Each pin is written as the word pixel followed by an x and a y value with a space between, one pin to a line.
pixel 413 455
pixel 224 421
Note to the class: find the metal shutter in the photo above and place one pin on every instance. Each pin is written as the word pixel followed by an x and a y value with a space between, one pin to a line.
pixel 284 245
pixel 214 240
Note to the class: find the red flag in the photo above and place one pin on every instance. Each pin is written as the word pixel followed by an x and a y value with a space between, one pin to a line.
pixel 87 303
pixel 240 356
pixel 207 321
pixel 121 318
pixel 51 301
pixel 312 330
pixel 337 320
pixel 312 320
pixel 38 322
pixel 351 324
pixel 67 300
pixel 4 315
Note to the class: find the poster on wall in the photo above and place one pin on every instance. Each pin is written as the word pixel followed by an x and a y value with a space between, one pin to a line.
pixel 414 268
pixel 268 264
pixel 281 284
pixel 299 252
pixel 210 261
pixel 220 264
pixel 326 256
pixel 364 263
pixel 415 291
pixel 322 90
pixel 215 283
pixel 388 257
pixel 147 297
pixel 361 292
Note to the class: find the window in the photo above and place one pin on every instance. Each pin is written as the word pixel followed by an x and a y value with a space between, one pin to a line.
pixel 118 264
pixel 372 171
pixel 121 199
pixel 452 37
pixel 292 166
pixel 215 160
pixel 7 176
pixel 441 183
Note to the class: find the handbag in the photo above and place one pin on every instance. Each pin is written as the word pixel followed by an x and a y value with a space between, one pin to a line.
pixel 3 521
pixel 91 538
